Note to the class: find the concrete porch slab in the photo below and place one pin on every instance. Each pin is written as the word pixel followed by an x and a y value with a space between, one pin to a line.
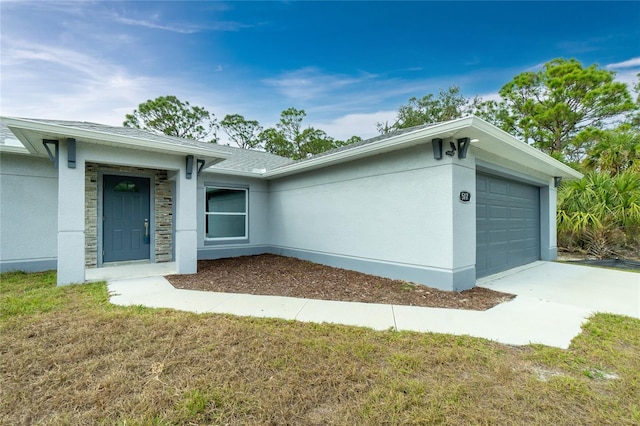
pixel 133 270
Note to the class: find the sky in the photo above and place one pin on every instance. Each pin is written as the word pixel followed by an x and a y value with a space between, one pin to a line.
pixel 349 65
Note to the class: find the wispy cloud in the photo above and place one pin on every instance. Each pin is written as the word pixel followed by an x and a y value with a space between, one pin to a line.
pixel 626 71
pixel 573 47
pixel 74 85
pixel 155 24
pixel 77 8
pixel 187 29
pixel 629 63
pixel 493 96
pixel 363 125
pixel 309 82
pixel 18 52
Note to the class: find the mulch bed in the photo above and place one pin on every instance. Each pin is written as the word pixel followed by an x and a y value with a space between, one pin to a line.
pixel 268 274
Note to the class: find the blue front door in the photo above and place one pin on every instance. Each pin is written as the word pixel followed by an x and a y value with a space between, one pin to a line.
pixel 126 224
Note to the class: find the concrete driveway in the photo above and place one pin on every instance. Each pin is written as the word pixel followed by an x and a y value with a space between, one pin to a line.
pixel 553 301
pixel 584 287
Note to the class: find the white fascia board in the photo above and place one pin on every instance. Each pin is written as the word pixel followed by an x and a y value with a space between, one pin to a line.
pixel 26 142
pixel 447 129
pixel 231 172
pixel 14 149
pixel 525 148
pixel 106 138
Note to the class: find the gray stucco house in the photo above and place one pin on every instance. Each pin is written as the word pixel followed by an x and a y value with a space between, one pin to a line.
pixel 439 204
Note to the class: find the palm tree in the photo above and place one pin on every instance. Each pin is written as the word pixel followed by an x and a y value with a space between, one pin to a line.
pixel 600 212
pixel 615 151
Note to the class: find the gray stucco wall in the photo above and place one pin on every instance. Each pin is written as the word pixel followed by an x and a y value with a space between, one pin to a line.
pixel 28 213
pixel 391 215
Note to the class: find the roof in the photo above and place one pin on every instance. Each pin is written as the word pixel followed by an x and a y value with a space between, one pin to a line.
pixel 241 162
pixel 237 158
pixel 372 140
pixel 248 160
pixel 233 159
pixel 31 132
pixel 490 139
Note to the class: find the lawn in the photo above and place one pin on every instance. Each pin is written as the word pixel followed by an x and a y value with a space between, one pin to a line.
pixel 67 356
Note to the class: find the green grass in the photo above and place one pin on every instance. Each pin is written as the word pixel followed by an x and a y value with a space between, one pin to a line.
pixel 67 356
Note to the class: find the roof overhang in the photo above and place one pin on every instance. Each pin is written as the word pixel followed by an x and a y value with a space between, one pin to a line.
pixel 31 133
pixel 490 139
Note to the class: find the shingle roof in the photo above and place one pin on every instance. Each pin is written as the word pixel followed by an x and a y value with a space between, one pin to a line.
pixel 370 140
pixel 239 159
pixel 247 160
pixel 125 131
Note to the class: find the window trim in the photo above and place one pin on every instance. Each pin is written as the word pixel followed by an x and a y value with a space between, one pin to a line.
pixel 245 214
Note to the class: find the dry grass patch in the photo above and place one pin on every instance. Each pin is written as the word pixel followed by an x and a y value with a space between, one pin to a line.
pixel 72 358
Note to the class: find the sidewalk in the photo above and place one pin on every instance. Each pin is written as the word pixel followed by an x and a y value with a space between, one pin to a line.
pixel 528 318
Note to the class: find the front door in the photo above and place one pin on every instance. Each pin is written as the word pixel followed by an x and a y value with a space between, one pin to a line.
pixel 126 226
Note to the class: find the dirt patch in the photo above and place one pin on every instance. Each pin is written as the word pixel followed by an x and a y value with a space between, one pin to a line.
pixel 609 263
pixel 630 261
pixel 268 274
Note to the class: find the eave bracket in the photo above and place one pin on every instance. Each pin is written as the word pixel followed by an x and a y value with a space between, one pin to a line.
pixel 200 163
pixel 50 144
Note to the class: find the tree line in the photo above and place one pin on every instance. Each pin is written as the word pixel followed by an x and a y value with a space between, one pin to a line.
pixel 288 138
pixel 579 115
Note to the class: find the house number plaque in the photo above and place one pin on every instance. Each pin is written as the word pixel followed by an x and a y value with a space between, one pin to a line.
pixel 465 196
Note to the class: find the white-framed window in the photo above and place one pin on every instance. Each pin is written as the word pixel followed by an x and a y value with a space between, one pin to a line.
pixel 226 216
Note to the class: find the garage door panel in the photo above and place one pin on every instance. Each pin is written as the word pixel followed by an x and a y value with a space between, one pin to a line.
pixel 481 238
pixel 498 237
pixel 518 213
pixel 481 186
pixel 498 260
pixel 498 212
pixel 520 192
pixel 508 224
pixel 498 188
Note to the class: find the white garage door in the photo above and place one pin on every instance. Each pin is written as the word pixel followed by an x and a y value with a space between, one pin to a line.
pixel 508 224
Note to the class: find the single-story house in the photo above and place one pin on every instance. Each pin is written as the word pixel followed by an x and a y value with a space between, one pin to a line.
pixel 440 204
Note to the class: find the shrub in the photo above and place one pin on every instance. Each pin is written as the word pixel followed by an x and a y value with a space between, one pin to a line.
pixel 600 213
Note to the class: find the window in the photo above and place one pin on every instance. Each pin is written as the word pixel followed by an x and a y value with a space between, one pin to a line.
pixel 126 186
pixel 225 213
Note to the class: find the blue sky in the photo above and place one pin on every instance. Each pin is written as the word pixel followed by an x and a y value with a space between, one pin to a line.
pixel 347 64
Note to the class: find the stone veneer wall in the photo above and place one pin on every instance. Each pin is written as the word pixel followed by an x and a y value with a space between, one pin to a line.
pixel 163 210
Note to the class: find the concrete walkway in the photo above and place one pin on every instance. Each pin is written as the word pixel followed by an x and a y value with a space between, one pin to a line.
pixel 553 300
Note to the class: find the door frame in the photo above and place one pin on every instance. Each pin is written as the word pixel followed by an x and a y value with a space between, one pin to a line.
pixel 152 210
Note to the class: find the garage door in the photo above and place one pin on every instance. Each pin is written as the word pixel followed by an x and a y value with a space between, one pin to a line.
pixel 508 224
